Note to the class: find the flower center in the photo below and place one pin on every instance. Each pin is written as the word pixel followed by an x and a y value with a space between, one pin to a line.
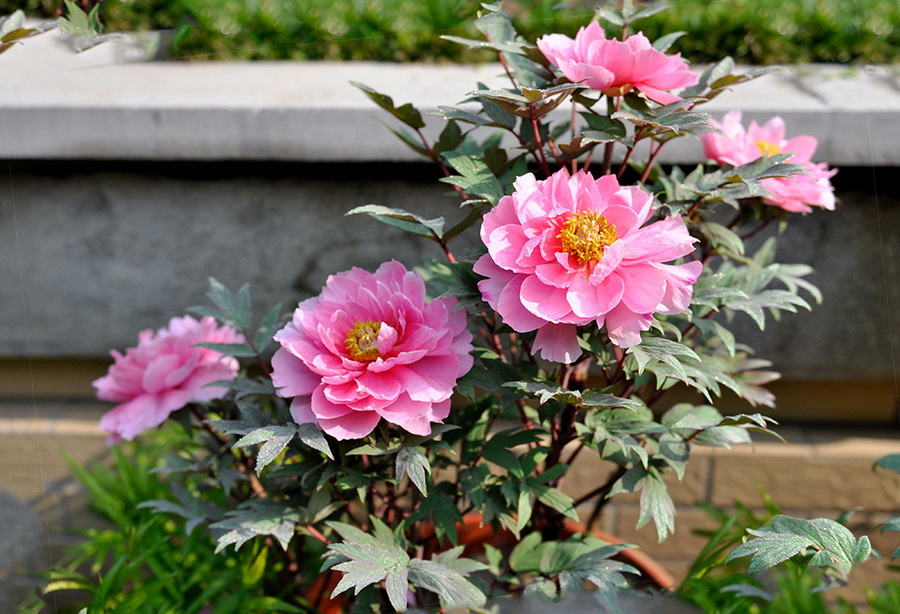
pixel 584 236
pixel 767 148
pixel 362 341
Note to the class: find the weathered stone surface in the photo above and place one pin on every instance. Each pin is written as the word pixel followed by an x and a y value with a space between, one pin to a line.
pixel 684 544
pixel 21 548
pixel 836 483
pixel 58 105
pixel 89 258
pixel 93 259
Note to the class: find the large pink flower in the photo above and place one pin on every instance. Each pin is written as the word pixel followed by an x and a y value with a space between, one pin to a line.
pixel 165 372
pixel 569 251
pixel 370 347
pixel 616 67
pixel 738 146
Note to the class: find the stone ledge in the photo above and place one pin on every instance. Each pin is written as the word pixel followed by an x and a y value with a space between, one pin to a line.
pixel 58 105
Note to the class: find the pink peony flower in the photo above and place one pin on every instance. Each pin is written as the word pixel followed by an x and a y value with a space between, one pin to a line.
pixel 371 347
pixel 738 146
pixel 616 67
pixel 569 251
pixel 165 372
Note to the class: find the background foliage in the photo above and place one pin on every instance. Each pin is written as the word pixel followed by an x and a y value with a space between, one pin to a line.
pixel 753 31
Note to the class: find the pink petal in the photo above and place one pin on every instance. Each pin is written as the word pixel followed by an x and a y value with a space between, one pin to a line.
pixel 301 411
pixel 354 425
pixel 291 376
pixel 660 241
pixel 679 286
pixel 624 326
pixel 544 301
pixel 557 343
pixel 588 301
pixel 645 287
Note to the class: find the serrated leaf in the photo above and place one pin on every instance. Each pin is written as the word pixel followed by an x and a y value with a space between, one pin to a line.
pixel 270 450
pixel 784 537
pixel 257 518
pixel 613 17
pixel 656 503
pixel 430 228
pixel 891 462
pixel 589 399
pixel 451 587
pixel 556 500
pixel 474 176
pixel 476 44
pixel 229 349
pixel 225 301
pixel 233 427
pixel 711 329
pixel 312 436
pixel 265 433
pixel 246 386
pixel 658 349
pixel 723 239
pixel 267 328
pixel 663 43
pixel 406 113
pixel 413 462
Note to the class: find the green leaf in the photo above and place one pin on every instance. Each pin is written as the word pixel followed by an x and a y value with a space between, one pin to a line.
pixel 497 449
pixel 658 349
pixel 556 500
pixel 257 518
pixel 265 433
pixel 410 222
pixel 274 440
pixel 669 120
pixel 656 503
pixel 474 176
pixel 892 524
pixel 229 349
pixel 267 329
pixel 247 386
pixel 476 44
pixel 78 23
pixel 764 167
pixel 663 43
pixel 451 586
pixel 413 462
pixel 612 16
pixel 725 241
pixel 367 560
pixel 234 313
pixel 891 462
pixel 832 544
pixel 545 391
pixel 443 512
pixel 595 567
pixel 269 604
pixel 712 329
pixel 406 113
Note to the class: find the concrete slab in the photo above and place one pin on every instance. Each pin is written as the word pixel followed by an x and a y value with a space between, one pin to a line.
pixel 99 105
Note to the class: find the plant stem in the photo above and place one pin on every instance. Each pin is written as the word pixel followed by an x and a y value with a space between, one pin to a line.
pixel 653 155
pixel 613 103
pixel 602 492
pixel 545 167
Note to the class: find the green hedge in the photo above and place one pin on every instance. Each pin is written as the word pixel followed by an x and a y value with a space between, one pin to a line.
pixel 752 31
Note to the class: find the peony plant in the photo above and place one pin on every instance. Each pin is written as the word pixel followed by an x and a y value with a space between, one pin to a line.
pixel 402 410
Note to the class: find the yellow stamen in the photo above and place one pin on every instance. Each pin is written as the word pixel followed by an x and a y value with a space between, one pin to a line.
pixel 362 341
pixel 584 236
pixel 767 148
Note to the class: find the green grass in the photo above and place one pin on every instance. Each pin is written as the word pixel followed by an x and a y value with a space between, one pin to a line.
pixel 752 31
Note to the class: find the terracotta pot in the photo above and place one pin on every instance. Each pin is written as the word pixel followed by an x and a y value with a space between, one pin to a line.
pixel 473 536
